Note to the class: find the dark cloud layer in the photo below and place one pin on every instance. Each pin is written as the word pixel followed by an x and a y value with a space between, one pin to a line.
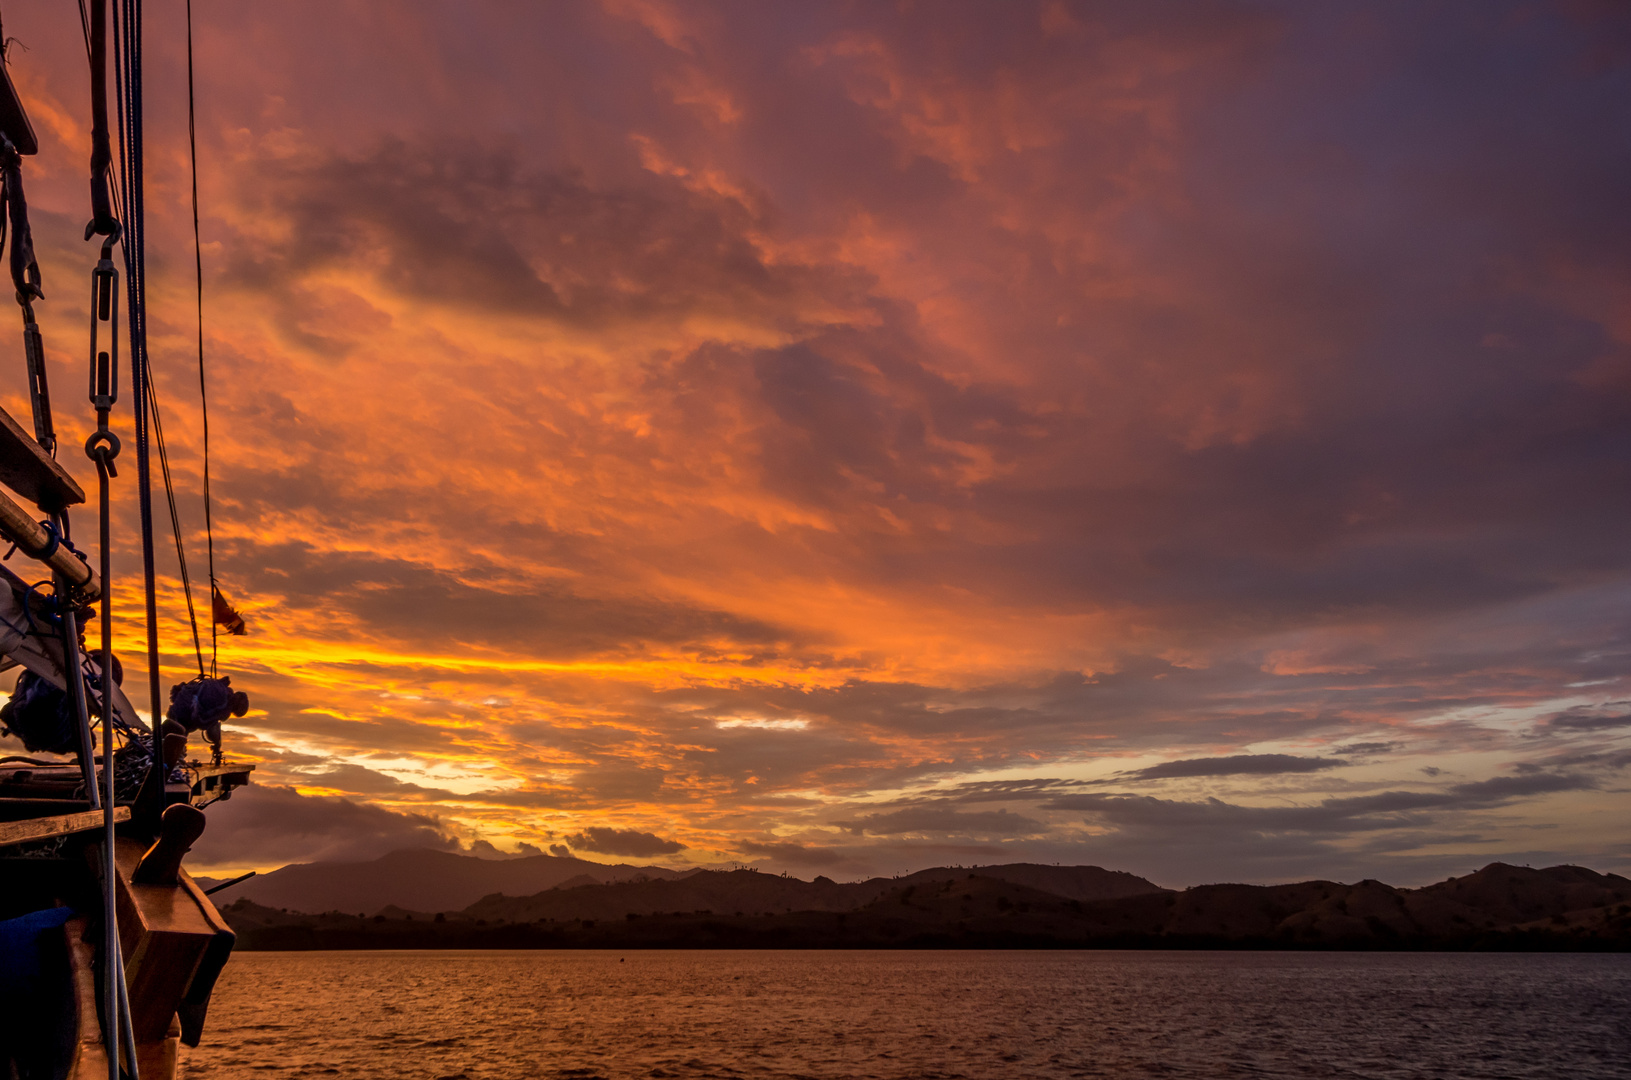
pixel 1386 810
pixel 791 854
pixel 269 825
pixel 945 820
pixel 1582 719
pixel 1236 765
pixel 630 842
pixel 473 226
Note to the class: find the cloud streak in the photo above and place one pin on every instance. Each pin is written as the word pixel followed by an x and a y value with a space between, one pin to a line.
pixel 631 842
pixel 1236 765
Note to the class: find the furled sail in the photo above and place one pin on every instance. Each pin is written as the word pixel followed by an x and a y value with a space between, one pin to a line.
pixel 23 641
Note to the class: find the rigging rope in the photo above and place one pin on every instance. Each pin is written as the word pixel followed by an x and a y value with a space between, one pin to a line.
pixel 85 28
pixel 149 424
pixel 127 68
pixel 156 425
pixel 203 396
pixel 175 520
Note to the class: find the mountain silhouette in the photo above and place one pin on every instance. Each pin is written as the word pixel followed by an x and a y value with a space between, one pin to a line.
pixel 1023 905
pixel 421 879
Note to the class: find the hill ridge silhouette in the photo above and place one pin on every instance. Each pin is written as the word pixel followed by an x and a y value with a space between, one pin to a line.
pixel 422 879
pixel 1498 906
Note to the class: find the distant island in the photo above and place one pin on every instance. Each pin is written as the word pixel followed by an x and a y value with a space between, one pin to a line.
pixel 1021 905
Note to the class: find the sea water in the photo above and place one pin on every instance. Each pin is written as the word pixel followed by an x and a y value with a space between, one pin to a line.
pixel 889 1015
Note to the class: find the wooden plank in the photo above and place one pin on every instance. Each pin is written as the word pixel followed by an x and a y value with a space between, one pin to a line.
pixel 28 470
pixel 45 828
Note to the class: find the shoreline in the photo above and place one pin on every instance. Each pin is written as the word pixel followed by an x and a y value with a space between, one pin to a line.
pixel 712 935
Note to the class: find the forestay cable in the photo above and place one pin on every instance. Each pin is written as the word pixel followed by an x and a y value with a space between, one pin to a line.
pixel 203 395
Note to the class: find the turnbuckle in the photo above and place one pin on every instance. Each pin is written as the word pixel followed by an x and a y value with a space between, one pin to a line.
pixel 104 385
pixel 103 445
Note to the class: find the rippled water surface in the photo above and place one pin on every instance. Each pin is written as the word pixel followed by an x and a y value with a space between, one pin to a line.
pixel 483 1015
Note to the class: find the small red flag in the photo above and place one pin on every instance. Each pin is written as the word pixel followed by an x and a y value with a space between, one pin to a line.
pixel 225 614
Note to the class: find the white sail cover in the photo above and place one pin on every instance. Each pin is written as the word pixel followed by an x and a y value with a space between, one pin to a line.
pixel 41 653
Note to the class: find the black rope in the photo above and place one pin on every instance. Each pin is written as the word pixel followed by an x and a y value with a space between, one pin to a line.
pixel 94 25
pixel 203 396
pixel 25 277
pixel 175 520
pixel 149 426
pixel 85 28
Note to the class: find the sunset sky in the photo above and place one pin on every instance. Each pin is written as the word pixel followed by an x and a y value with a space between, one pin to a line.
pixel 1192 439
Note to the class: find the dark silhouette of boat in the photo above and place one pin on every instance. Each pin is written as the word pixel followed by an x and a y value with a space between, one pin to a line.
pixel 109 951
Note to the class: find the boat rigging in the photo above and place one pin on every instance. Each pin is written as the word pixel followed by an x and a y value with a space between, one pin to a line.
pixel 91 848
